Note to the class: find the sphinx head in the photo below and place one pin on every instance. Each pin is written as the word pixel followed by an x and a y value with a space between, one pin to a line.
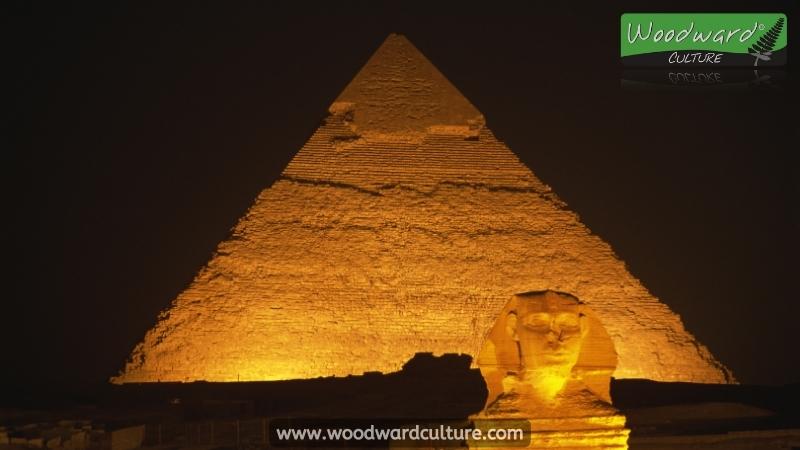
pixel 542 344
pixel 549 331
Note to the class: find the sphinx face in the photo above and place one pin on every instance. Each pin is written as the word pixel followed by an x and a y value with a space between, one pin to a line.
pixel 550 334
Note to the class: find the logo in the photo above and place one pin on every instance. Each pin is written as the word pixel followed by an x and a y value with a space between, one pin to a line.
pixel 703 40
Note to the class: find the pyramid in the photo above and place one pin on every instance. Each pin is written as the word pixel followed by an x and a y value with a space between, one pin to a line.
pixel 402 226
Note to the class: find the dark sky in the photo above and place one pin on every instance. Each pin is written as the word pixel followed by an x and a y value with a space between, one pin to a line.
pixel 143 133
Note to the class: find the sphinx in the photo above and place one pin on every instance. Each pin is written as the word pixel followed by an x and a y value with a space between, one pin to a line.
pixel 548 360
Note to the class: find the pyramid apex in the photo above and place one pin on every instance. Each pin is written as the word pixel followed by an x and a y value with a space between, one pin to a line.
pixel 400 90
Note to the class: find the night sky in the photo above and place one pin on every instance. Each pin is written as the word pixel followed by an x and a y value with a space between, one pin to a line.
pixel 142 134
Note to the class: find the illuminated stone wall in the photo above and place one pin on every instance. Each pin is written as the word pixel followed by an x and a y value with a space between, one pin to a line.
pixel 402 226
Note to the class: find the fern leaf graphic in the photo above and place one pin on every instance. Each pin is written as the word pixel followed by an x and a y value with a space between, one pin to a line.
pixel 763 48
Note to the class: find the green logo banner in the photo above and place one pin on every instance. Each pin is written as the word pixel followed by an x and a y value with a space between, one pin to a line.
pixel 703 39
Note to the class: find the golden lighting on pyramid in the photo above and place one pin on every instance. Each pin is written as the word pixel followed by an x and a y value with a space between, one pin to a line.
pixel 404 225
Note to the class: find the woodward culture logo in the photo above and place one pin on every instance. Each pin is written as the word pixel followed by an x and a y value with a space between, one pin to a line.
pixel 702 39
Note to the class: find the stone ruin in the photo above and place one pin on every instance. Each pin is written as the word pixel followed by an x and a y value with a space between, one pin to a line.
pixel 404 226
pixel 549 360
